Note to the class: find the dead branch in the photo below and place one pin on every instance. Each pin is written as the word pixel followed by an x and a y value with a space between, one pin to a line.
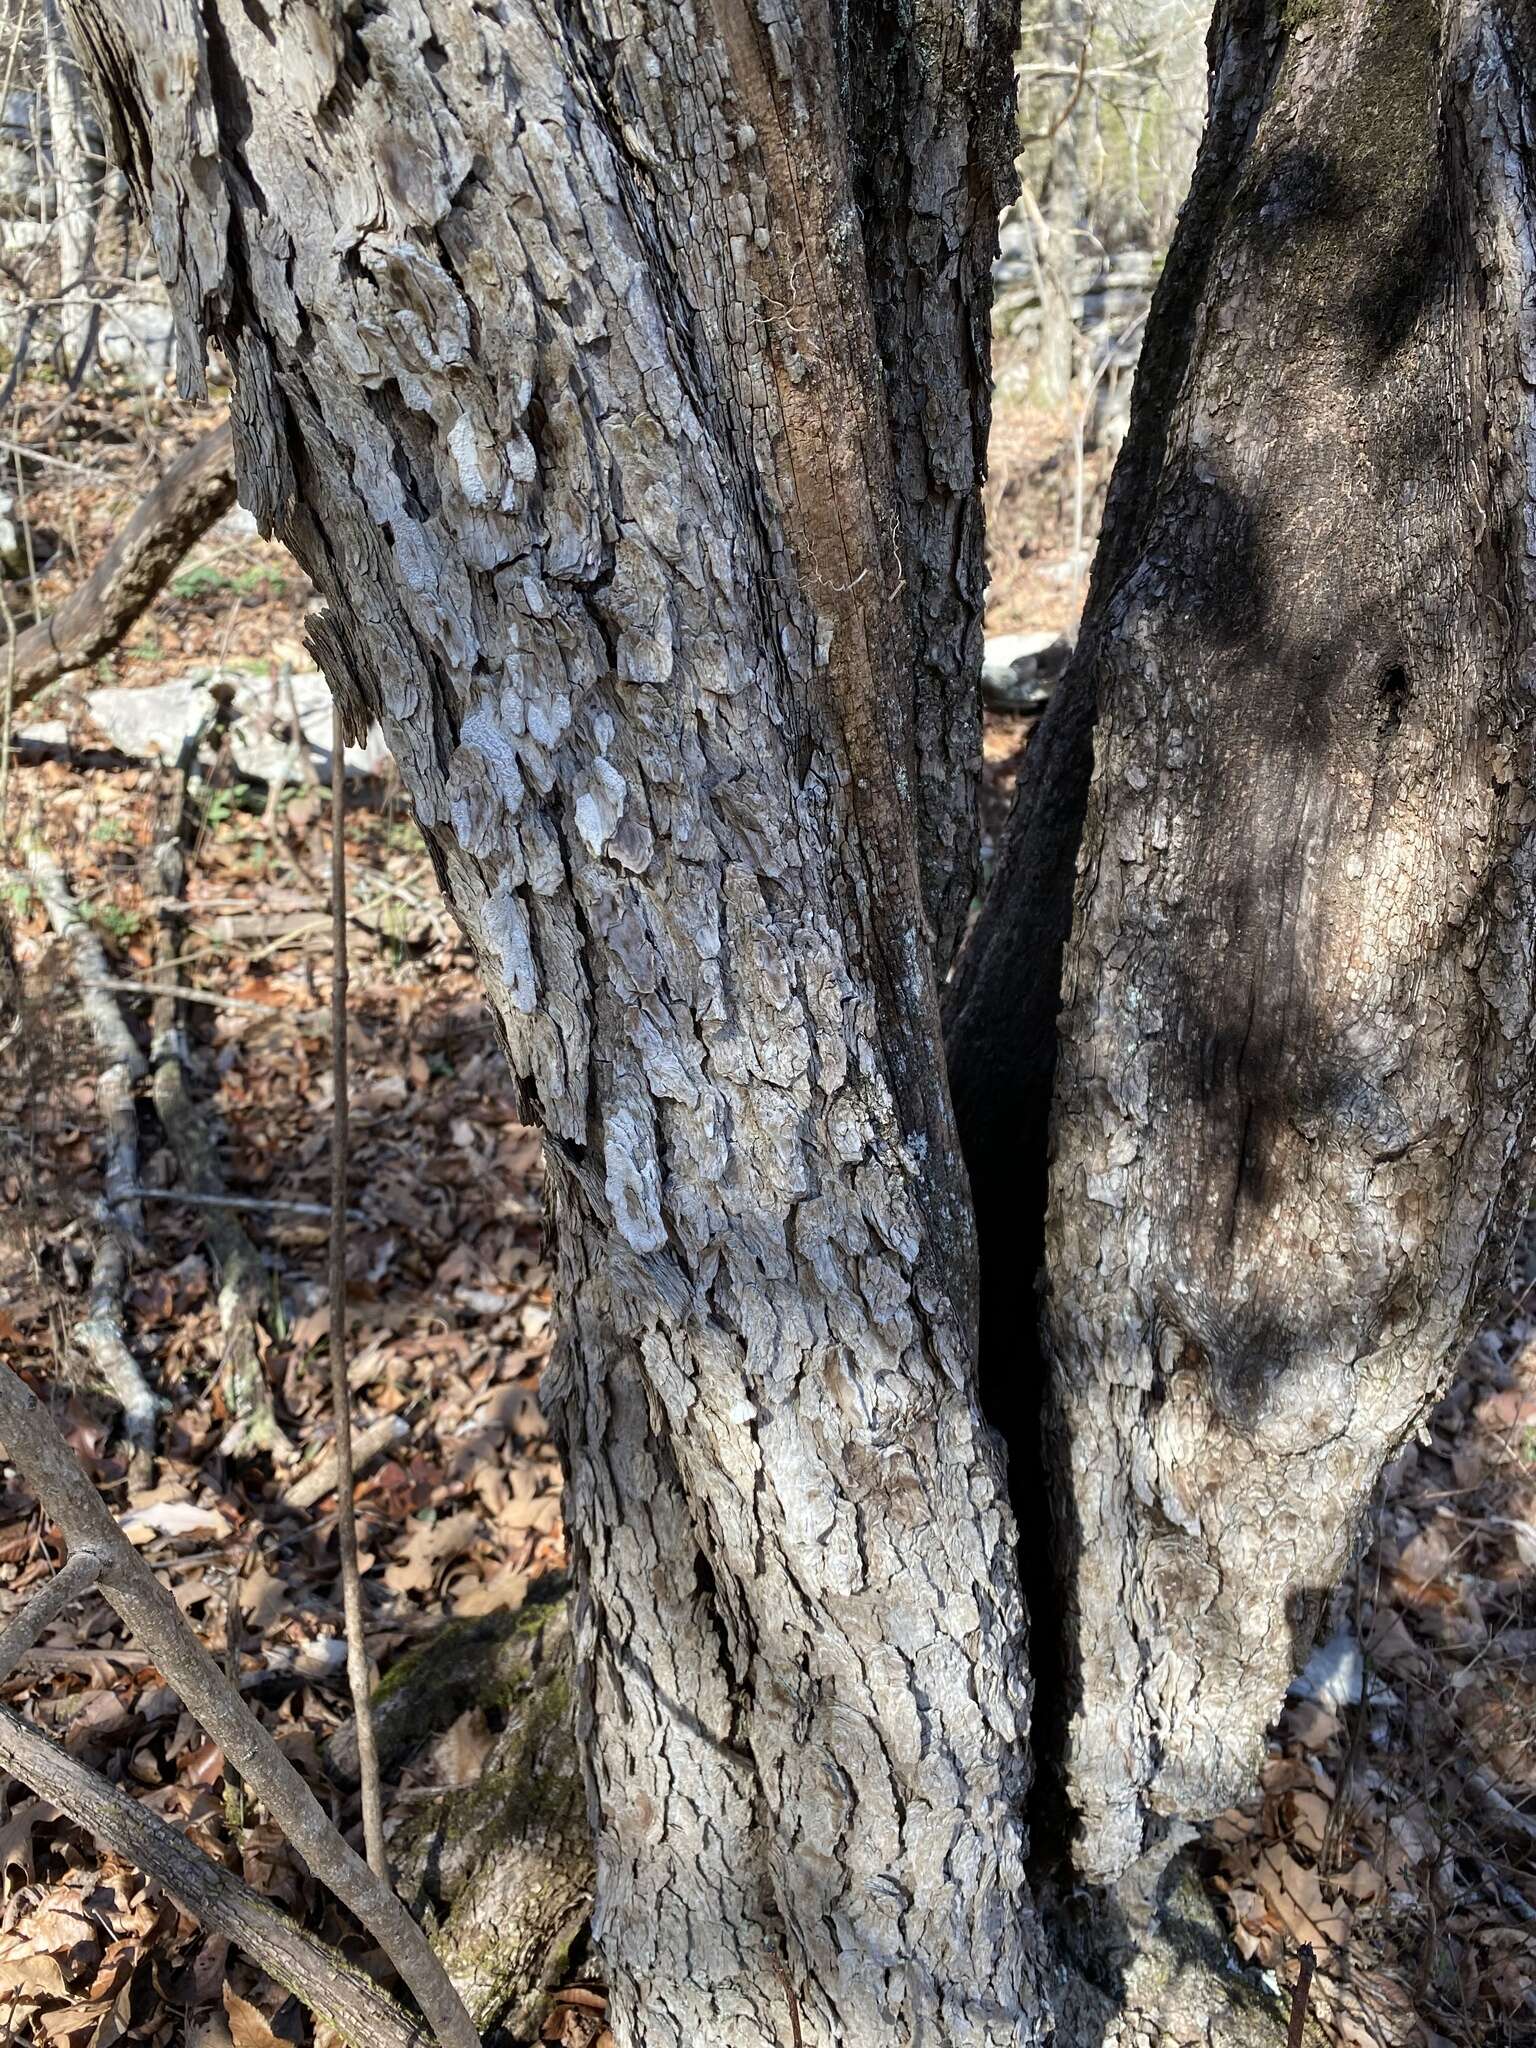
pixel 253 1423
pixel 311 1487
pixel 359 1678
pixel 100 1337
pixel 353 2004
pixel 313 1022
pixel 125 1063
pixel 75 1577
pixel 195 492
pixel 48 1466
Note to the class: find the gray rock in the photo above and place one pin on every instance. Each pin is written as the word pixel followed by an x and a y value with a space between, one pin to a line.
pixel 138 336
pixel 1019 669
pixel 21 553
pixel 26 170
pixel 157 718
pixel 48 732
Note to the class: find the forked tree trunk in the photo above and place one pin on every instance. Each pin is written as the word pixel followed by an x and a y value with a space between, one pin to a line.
pixel 556 363
pixel 1293 1102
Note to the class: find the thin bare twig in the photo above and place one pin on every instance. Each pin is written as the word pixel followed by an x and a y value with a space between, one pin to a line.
pixel 1300 1995
pixel 781 1970
pixel 149 1610
pixel 258 1204
pixel 76 1576
pixel 358 1676
pixel 312 1021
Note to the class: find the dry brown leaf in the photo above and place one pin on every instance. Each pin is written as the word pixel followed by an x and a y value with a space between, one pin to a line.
pixel 1308 1813
pixel 1310 1725
pixel 1294 1896
pixel 504 1591
pixel 459 1754
pixel 23 1969
pixel 428 1547
pixel 264 1598
pixel 16 1841
pixel 212 2031
pixel 248 2026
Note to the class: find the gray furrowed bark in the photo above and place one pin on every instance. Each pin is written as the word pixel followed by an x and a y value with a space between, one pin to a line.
pixel 555 363
pixel 1293 1096
pixel 931 115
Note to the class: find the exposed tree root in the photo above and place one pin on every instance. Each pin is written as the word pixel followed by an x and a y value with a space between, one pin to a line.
pixel 504 1863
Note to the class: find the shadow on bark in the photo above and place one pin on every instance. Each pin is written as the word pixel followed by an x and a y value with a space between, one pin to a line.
pixel 1158 1971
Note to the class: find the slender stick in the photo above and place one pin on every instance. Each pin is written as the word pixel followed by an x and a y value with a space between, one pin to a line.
pixel 358 1676
pixel 308 1021
pixel 197 1198
pixel 76 1576
pixel 50 1469
pixel 311 1487
pixel 242 1378
pixel 1298 2026
pixel 355 2006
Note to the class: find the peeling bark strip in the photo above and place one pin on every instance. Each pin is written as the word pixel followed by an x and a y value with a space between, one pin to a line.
pixel 1293 1100
pixel 555 364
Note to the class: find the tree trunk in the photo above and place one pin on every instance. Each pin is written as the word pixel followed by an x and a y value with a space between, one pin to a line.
pixel 567 368
pixel 75 178
pixel 931 117
pixel 556 365
pixel 1293 1101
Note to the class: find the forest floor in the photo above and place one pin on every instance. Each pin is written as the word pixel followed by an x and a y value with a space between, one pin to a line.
pixel 1395 1827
